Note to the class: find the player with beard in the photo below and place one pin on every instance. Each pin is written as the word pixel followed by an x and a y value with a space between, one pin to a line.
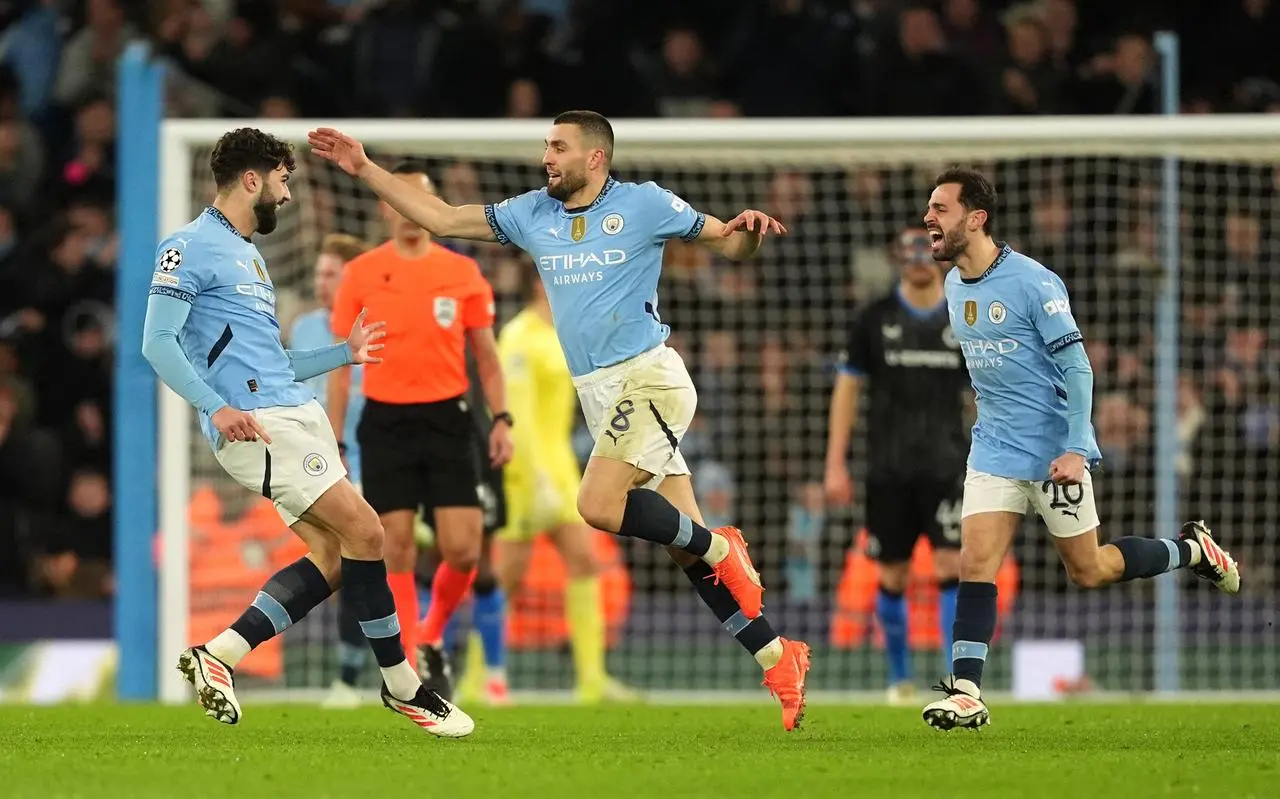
pixel 1033 444
pixel 901 346
pixel 212 336
pixel 598 246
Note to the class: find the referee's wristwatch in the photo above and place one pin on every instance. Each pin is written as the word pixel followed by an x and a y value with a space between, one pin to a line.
pixel 504 417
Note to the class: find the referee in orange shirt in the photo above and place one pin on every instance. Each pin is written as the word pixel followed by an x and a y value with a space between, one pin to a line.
pixel 415 433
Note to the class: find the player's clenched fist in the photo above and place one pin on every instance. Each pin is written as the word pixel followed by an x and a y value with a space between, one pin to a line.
pixel 338 148
pixel 1067 469
pixel 238 425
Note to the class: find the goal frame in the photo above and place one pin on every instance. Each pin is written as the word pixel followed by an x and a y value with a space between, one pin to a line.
pixel 168 160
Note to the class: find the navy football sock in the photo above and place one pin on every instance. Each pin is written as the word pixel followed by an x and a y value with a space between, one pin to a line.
pixel 289 595
pixel 975 625
pixel 650 516
pixel 1148 557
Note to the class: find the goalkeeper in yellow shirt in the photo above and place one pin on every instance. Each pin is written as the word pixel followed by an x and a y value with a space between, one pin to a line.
pixel 541 483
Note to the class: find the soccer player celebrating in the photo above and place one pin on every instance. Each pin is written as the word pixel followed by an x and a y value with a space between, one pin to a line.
pixel 415 430
pixel 903 348
pixel 1033 444
pixel 212 336
pixel 312 330
pixel 598 246
pixel 541 484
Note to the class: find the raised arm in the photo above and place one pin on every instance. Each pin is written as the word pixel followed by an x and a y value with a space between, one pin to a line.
pixel 433 214
pixel 739 238
pixel 672 217
pixel 307 364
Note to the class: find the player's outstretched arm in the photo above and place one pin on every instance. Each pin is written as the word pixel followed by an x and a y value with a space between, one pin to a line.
pixel 433 214
pixel 358 348
pixel 740 237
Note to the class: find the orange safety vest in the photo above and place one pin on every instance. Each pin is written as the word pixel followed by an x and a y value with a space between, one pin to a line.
pixel 854 619
pixel 230 562
pixel 536 619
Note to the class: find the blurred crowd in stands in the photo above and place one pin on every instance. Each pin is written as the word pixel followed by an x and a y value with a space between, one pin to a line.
pixel 640 58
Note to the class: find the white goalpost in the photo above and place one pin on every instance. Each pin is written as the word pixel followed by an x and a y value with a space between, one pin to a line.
pixel 1161 227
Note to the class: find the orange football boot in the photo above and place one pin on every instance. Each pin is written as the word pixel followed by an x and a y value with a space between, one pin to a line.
pixel 786 681
pixel 738 575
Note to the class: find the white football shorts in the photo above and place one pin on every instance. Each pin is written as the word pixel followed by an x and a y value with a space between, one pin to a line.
pixel 300 465
pixel 1067 510
pixel 639 410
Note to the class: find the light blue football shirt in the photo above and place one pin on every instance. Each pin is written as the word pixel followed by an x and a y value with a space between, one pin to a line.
pixel 311 331
pixel 231 336
pixel 600 264
pixel 1010 322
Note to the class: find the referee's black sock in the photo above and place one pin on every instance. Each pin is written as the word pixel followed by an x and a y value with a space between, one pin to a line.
pixel 1148 557
pixel 365 583
pixel 974 627
pixel 755 635
pixel 648 515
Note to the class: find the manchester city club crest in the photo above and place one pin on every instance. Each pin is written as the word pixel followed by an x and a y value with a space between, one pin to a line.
pixel 579 227
pixel 315 464
pixel 996 312
pixel 446 311
pixel 612 224
pixel 970 312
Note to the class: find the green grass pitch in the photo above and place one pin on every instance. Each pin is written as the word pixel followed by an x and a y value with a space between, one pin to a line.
pixel 1092 751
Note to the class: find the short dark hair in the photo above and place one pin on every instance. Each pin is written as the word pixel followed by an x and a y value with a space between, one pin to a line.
pixel 593 126
pixel 245 149
pixel 976 192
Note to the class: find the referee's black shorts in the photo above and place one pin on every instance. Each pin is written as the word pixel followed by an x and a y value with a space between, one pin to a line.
pixel 419 455
pixel 900 510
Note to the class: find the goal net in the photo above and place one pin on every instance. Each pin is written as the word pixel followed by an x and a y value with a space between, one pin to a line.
pixel 1092 199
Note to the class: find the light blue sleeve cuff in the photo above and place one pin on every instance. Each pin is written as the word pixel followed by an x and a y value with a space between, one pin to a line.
pixel 312 363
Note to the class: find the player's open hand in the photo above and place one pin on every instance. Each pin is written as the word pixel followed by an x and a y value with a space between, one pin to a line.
pixel 338 148
pixel 364 339
pixel 836 485
pixel 757 222
pixel 500 445
pixel 1068 469
pixel 237 425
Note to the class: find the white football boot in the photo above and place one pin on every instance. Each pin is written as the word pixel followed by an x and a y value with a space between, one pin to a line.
pixel 961 707
pixel 431 713
pixel 1216 564
pixel 215 684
